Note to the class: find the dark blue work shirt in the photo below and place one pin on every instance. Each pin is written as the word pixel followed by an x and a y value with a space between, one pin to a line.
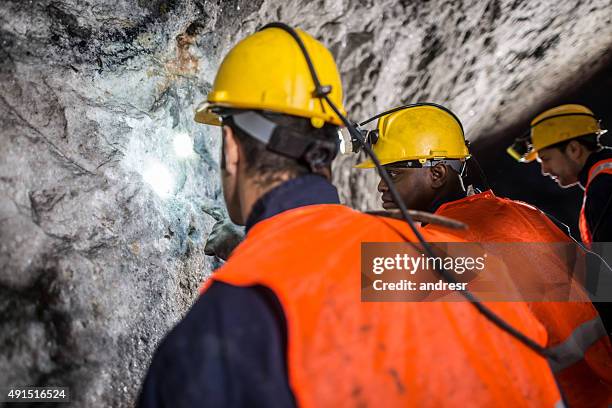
pixel 598 205
pixel 230 349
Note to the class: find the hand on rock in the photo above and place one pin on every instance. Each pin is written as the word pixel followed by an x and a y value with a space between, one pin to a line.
pixel 223 238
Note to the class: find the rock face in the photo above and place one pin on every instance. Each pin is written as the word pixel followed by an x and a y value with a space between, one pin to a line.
pixel 109 189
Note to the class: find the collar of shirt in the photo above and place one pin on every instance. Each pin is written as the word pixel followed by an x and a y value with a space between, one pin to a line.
pixel 603 154
pixel 443 200
pixel 309 189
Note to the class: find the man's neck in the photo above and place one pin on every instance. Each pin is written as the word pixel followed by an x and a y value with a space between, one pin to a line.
pixel 452 193
pixel 583 159
pixel 253 191
pixel 309 189
pixel 591 159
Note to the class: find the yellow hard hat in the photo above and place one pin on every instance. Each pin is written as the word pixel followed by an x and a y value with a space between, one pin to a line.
pixel 268 71
pixel 418 132
pixel 559 124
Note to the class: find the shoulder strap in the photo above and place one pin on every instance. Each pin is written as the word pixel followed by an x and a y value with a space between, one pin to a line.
pixel 599 167
pixel 602 166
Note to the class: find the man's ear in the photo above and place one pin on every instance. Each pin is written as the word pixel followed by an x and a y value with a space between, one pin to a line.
pixel 438 174
pixel 574 150
pixel 230 151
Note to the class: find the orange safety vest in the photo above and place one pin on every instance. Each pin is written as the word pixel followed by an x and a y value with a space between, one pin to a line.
pixel 576 336
pixel 602 166
pixel 345 352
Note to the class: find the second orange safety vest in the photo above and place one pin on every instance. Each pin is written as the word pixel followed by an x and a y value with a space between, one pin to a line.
pixel 576 336
pixel 345 352
pixel 601 167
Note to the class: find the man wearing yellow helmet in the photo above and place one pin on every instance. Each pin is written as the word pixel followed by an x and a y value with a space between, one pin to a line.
pixel 281 322
pixel 565 141
pixel 424 150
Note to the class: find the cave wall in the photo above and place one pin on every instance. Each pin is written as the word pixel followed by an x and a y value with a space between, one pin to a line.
pixel 109 189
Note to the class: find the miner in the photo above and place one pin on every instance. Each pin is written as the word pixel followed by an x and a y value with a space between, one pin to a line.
pixel 281 323
pixel 424 150
pixel 565 141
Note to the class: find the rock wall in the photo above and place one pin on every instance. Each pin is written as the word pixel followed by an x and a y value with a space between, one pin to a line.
pixel 109 189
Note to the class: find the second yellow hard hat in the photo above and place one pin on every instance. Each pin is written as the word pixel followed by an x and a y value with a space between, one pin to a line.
pixel 419 132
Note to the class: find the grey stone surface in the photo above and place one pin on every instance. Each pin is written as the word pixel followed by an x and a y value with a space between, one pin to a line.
pixel 108 190
pixel 107 186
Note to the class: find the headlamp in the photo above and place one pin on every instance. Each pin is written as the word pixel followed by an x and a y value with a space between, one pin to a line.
pixel 519 149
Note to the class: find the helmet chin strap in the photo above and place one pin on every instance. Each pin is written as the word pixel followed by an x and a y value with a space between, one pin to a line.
pixel 463 173
pixel 286 141
pixel 255 125
pixel 461 180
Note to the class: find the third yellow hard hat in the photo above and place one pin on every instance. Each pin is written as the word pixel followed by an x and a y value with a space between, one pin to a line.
pixel 268 71
pixel 559 124
pixel 419 132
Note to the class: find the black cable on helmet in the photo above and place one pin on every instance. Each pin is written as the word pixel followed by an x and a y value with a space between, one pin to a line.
pixel 414 105
pixel 483 177
pixel 322 92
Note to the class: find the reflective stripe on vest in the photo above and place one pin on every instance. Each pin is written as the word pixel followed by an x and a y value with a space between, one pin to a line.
pixel 603 166
pixel 576 345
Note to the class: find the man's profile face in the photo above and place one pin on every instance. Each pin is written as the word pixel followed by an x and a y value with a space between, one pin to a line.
pixel 412 185
pixel 556 164
pixel 229 175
